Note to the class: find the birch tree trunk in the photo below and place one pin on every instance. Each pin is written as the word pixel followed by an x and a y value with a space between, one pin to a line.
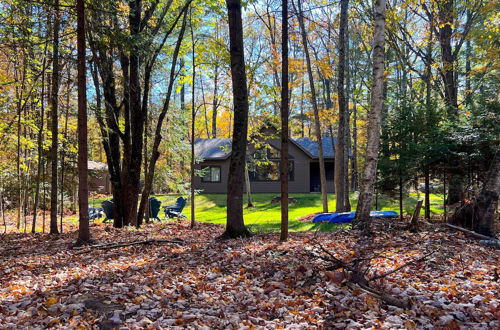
pixel 374 118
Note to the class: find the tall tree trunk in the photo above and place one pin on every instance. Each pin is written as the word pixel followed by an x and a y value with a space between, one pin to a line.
pixel 445 35
pixel 302 118
pixel 18 161
pixel 374 118
pixel 63 155
pixel 340 148
pixel 24 177
pixel 83 188
pixel 429 115
pixel 158 137
pixel 284 122
pixel 347 119
pixel 19 95
pixel 322 172
pixel 400 191
pixel 487 201
pixel 146 157
pixel 2 211
pixel 427 199
pixel 468 51
pixel 235 226
pixel 479 215
pixel 445 14
pixel 54 121
pixel 193 119
pixel 183 89
pixel 44 197
pixel 354 180
pixel 40 148
pixel 205 110
pixel 132 171
pixel 215 103
pixel 109 131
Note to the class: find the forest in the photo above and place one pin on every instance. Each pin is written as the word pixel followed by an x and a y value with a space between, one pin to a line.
pixel 249 164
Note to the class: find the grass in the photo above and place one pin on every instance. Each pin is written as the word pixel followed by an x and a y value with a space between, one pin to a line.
pixel 265 217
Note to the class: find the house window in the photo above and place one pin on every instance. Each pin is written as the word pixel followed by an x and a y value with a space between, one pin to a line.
pixel 270 171
pixel 211 174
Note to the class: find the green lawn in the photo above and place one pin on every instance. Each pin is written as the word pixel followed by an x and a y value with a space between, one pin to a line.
pixel 265 217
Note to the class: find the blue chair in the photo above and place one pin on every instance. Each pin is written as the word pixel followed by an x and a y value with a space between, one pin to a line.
pixel 154 208
pixel 175 211
pixel 95 213
pixel 107 207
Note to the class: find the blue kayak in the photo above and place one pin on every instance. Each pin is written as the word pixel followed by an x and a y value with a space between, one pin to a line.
pixel 347 217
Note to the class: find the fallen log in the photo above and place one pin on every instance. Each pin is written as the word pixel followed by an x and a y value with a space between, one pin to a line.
pixel 471 233
pixel 490 242
pixel 386 298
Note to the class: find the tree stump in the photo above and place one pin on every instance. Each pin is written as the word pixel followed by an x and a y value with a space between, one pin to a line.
pixel 414 218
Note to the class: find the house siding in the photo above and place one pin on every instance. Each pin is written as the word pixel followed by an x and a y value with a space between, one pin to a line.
pixel 300 184
pixel 213 187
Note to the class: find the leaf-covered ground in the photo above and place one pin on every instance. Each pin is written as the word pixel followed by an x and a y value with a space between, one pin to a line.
pixel 251 283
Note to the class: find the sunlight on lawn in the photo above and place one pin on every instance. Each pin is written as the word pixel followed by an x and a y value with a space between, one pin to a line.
pixel 266 217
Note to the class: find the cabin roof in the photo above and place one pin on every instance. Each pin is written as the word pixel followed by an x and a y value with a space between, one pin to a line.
pixel 212 149
pixel 310 146
pixel 220 149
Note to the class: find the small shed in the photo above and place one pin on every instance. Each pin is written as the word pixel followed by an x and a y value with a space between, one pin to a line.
pixel 99 178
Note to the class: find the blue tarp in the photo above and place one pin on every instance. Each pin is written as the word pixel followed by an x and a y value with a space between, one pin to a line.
pixel 347 217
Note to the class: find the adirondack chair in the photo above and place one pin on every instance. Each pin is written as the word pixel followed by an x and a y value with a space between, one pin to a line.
pixel 107 207
pixel 154 208
pixel 95 213
pixel 175 211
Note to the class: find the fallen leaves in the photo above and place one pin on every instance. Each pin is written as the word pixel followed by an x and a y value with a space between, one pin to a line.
pixel 49 302
pixel 252 283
